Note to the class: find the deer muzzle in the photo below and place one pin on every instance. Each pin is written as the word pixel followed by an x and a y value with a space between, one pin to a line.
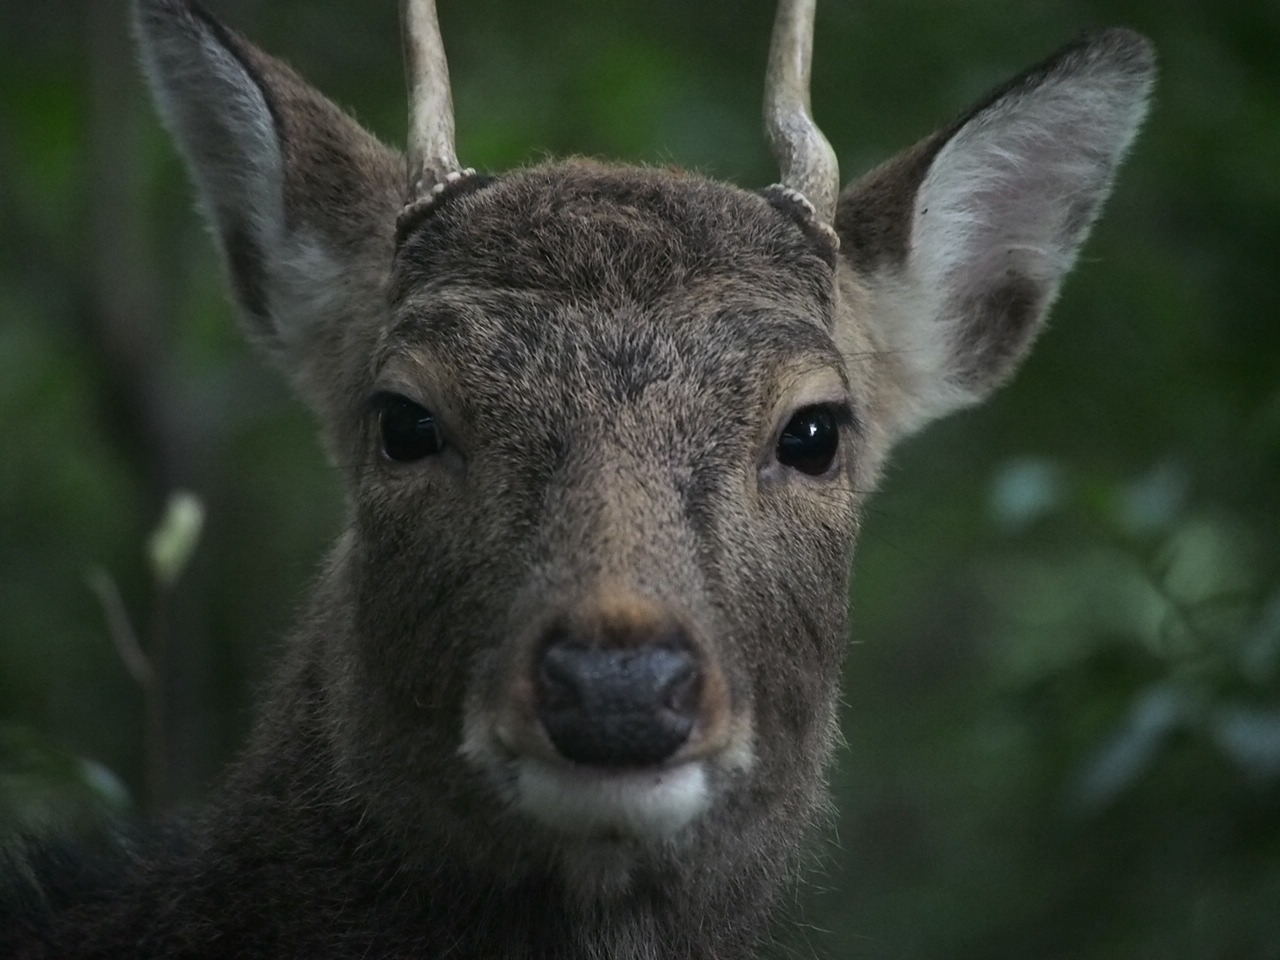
pixel 613 720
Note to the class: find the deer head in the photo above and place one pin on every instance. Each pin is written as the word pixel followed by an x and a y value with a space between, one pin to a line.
pixel 606 432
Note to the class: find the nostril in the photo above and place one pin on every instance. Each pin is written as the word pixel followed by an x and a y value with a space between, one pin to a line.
pixel 630 706
pixel 558 680
pixel 681 690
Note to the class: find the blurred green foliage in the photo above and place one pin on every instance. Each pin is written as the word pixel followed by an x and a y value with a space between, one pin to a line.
pixel 1064 687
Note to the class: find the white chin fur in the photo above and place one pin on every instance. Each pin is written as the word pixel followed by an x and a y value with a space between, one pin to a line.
pixel 652 805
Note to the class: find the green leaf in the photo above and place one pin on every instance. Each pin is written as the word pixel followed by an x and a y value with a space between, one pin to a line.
pixel 175 539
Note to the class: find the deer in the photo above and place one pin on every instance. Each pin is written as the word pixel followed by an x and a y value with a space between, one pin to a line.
pixel 567 685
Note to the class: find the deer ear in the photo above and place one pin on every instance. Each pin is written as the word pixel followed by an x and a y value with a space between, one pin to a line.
pixel 963 241
pixel 301 199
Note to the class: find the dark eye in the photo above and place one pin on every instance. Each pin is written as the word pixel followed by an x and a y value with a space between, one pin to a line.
pixel 409 431
pixel 810 440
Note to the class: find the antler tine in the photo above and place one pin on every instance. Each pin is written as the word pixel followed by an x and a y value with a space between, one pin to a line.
pixel 807 162
pixel 432 155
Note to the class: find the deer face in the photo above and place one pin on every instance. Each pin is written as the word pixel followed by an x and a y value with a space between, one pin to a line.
pixel 606 502
pixel 605 432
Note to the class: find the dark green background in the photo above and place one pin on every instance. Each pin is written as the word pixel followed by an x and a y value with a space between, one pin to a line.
pixel 1063 694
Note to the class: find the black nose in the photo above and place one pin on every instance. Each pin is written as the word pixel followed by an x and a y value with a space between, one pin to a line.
pixel 617 706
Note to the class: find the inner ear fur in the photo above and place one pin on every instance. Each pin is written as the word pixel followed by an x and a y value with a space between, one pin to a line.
pixel 302 200
pixel 961 242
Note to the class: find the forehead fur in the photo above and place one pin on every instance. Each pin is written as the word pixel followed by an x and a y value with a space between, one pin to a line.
pixel 590 289
pixel 616 236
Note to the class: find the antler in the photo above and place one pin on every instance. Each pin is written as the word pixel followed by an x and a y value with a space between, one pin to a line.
pixel 805 157
pixel 432 156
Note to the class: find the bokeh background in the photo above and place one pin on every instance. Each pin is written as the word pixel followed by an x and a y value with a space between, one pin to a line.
pixel 1063 691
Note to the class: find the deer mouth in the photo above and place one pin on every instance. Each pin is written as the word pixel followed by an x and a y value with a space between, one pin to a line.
pixel 609 804
pixel 646 804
